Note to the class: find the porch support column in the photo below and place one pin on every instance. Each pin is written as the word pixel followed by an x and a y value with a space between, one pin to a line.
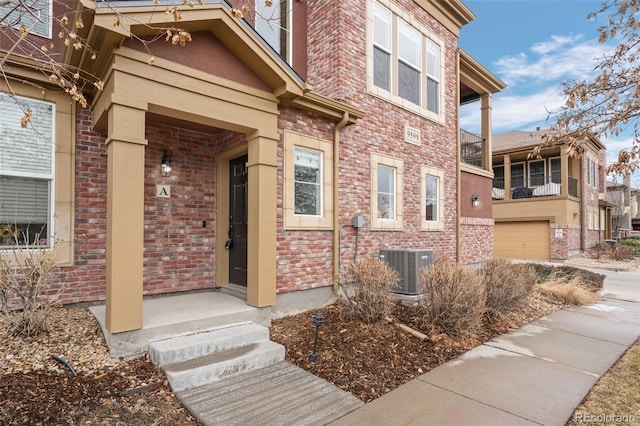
pixel 261 250
pixel 564 172
pixel 507 177
pixel 125 218
pixel 485 116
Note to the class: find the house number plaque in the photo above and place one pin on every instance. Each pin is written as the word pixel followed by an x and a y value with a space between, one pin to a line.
pixel 412 135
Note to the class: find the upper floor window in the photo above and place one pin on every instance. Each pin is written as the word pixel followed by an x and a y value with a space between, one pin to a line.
pixel 537 173
pixel 555 170
pixel 26 171
pixel 274 24
pixel 409 62
pixel 404 61
pixel 592 172
pixel 381 47
pixel 33 15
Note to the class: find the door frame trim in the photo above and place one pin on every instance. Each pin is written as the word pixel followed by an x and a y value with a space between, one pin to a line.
pixel 222 215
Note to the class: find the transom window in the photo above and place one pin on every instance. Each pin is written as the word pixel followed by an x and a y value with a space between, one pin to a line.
pixel 307 182
pixel 26 171
pixel 273 23
pixel 33 15
pixel 406 61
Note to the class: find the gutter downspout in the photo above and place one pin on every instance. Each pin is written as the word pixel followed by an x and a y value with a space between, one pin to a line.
pixel 458 174
pixel 336 209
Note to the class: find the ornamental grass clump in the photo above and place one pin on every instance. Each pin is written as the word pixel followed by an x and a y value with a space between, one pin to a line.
pixel 24 273
pixel 453 300
pixel 366 284
pixel 507 285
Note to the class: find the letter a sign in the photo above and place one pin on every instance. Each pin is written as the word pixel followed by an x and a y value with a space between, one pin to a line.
pixel 163 191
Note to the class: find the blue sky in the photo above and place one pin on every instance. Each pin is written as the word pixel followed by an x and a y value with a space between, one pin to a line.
pixel 533 46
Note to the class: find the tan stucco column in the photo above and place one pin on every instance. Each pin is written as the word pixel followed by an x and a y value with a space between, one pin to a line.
pixel 485 116
pixel 125 218
pixel 261 250
pixel 507 177
pixel 564 172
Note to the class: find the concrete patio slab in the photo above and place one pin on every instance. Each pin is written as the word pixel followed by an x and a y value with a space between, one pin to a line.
pixel 530 388
pixel 420 403
pixel 559 347
pixel 623 333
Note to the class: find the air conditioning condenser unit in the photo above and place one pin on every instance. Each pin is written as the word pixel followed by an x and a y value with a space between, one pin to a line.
pixel 408 263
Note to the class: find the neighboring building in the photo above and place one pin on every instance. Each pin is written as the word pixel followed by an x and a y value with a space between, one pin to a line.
pixel 550 207
pixel 351 111
pixel 624 208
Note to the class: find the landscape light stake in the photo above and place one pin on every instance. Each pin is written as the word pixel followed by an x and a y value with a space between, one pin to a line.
pixel 318 320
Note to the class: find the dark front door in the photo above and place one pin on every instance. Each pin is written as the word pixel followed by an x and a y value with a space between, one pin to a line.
pixel 238 221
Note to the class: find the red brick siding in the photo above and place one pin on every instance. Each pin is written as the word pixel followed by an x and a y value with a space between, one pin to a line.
pixel 476 240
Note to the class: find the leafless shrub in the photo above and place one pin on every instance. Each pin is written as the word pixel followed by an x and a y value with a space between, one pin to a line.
pixel 24 271
pixel 622 252
pixel 453 299
pixel 366 284
pixel 507 284
pixel 568 291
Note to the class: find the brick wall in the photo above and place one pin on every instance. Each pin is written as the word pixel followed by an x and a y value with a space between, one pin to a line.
pixel 476 240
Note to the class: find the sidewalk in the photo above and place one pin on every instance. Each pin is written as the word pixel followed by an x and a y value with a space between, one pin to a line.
pixel 537 374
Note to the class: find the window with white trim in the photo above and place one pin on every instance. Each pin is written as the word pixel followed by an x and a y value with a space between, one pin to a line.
pixel 555 170
pixel 386 193
pixel 26 171
pixel 308 165
pixel 274 24
pixel 382 47
pixel 409 62
pixel 405 61
pixel 432 181
pixel 307 192
pixel 33 15
pixel 433 76
pixel 537 173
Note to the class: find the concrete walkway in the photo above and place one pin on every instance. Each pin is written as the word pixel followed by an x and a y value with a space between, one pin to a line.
pixel 538 374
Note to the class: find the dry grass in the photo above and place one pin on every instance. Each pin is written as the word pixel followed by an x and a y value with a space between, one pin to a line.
pixel 616 395
pixel 570 292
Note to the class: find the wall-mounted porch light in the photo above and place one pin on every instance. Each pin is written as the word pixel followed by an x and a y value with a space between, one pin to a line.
pixel 165 163
pixel 475 201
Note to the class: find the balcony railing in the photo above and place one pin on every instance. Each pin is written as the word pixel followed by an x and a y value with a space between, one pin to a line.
pixel 545 188
pixel 472 148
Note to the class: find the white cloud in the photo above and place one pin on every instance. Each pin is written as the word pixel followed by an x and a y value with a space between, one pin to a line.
pixel 514 112
pixel 561 58
pixel 556 42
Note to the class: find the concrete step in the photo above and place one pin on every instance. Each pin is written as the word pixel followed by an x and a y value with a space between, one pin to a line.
pixel 280 394
pixel 212 367
pixel 183 348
